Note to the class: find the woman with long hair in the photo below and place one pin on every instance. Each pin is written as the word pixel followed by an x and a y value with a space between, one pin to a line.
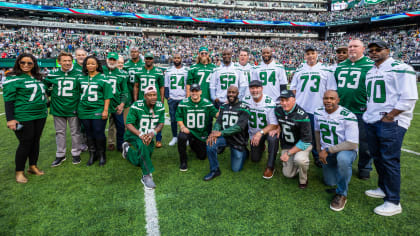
pixel 95 95
pixel 26 112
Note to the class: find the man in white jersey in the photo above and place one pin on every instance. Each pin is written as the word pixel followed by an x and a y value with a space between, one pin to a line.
pixel 175 82
pixel 244 66
pixel 223 77
pixel 271 74
pixel 337 137
pixel 392 95
pixel 261 121
pixel 309 84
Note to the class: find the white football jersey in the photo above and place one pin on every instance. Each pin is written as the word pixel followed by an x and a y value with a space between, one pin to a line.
pixel 262 114
pixel 386 86
pixel 272 76
pixel 310 83
pixel 225 76
pixel 175 81
pixel 337 127
pixel 246 71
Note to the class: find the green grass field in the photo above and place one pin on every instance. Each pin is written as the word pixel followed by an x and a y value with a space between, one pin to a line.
pixel 80 200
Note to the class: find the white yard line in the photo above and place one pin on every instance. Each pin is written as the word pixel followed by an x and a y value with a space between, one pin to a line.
pixel 416 113
pixel 409 151
pixel 167 119
pixel 2 114
pixel 152 218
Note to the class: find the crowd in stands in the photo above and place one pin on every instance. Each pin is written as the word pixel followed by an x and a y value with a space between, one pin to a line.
pixel 48 42
pixel 386 7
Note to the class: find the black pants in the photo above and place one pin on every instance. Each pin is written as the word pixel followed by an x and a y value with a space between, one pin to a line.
pixel 273 147
pixel 198 146
pixel 28 137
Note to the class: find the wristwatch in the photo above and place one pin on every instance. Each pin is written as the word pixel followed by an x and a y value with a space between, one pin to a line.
pixel 288 153
pixel 327 150
pixel 262 132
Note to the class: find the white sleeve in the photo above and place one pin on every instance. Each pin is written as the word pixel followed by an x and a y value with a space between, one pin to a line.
pixel 271 119
pixel 331 83
pixel 254 74
pixel 243 81
pixel 282 76
pixel 293 84
pixel 406 85
pixel 316 125
pixel 167 80
pixel 351 129
pixel 214 81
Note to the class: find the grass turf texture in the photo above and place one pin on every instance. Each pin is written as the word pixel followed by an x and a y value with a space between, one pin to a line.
pixel 81 200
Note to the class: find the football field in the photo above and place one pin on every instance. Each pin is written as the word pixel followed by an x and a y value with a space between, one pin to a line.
pixel 110 200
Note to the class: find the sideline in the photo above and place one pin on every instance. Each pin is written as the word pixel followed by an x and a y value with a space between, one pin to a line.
pixel 2 114
pixel 152 221
pixel 409 151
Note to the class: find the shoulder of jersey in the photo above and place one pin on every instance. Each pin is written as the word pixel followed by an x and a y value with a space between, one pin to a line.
pixel 319 110
pixel 138 104
pixel 268 99
pixel 300 110
pixel 123 72
pixel 278 64
pixel 185 100
pixel 397 64
pixel 246 99
pixel 206 100
pixel 243 105
pixel 159 104
pixel 346 112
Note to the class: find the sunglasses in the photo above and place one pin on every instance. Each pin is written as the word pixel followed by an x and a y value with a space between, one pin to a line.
pixel 29 63
pixel 204 53
pixel 376 50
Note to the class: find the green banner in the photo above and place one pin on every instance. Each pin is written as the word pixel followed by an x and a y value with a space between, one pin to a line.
pixel 338 5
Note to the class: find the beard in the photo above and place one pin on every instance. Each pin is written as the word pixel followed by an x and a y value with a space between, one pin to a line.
pixel 112 66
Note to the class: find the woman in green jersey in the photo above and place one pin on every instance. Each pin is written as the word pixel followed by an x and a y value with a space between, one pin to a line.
pixel 26 112
pixel 95 94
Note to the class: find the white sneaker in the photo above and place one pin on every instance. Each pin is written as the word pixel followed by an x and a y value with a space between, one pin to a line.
pixel 173 141
pixel 188 143
pixel 388 209
pixel 375 193
pixel 125 147
pixel 148 183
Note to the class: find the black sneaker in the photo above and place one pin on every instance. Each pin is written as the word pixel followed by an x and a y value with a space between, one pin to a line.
pixel 76 160
pixel 58 161
pixel 183 167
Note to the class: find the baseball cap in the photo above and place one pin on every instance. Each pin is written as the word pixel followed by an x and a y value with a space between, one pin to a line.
pixel 150 89
pixel 113 55
pixel 379 44
pixel 287 94
pixel 195 87
pixel 203 49
pixel 341 47
pixel 148 55
pixel 310 48
pixel 255 83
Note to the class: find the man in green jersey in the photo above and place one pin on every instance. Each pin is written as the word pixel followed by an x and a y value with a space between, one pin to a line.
pixel 118 80
pixel 193 116
pixel 64 99
pixel 132 66
pixel 350 76
pixel 150 75
pixel 145 119
pixel 80 55
pixel 200 73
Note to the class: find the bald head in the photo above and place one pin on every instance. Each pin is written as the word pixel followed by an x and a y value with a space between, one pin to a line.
pixel 331 101
pixel 177 60
pixel 355 49
pixel 232 94
pixel 227 56
pixel 267 55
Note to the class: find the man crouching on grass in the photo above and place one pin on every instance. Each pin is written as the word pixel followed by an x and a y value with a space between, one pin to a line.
pixel 144 120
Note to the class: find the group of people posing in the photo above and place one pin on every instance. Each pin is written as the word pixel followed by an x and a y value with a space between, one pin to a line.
pixel 361 105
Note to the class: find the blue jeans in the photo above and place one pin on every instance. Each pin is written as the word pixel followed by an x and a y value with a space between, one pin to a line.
pixel 385 141
pixel 237 157
pixel 95 128
pixel 173 105
pixel 119 125
pixel 314 151
pixel 338 171
pixel 365 160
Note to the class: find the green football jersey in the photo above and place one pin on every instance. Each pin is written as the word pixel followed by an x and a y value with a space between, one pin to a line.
pixel 146 78
pixel 93 93
pixel 201 74
pixel 196 116
pixel 351 86
pixel 78 68
pixel 143 118
pixel 64 93
pixel 132 69
pixel 29 96
pixel 118 80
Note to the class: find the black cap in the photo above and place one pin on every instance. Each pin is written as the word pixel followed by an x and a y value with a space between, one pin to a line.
pixel 195 87
pixel 255 83
pixel 287 94
pixel 379 44
pixel 310 48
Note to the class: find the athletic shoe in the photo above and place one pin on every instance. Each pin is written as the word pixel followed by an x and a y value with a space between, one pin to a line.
pixel 125 147
pixel 268 173
pixel 84 147
pixel 338 203
pixel 375 193
pixel 58 161
pixel 183 167
pixel 173 141
pixel 76 160
pixel 148 183
pixel 158 144
pixel 188 143
pixel 388 209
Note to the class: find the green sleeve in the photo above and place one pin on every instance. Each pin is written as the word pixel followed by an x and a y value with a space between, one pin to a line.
pixel 217 127
pixel 107 90
pixel 161 81
pixel 9 91
pixel 124 89
pixel 48 84
pixel 231 130
pixel 131 117
pixel 213 111
pixel 137 78
pixel 162 117
pixel 190 78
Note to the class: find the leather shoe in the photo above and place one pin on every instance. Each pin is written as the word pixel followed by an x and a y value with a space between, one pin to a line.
pixel 35 171
pixel 212 175
pixel 111 147
pixel 158 144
